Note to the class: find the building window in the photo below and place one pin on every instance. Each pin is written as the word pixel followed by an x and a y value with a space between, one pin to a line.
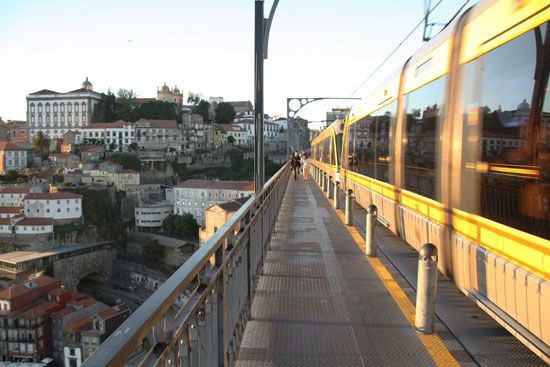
pixel 47 108
pixel 69 107
pixel 83 118
pixel 76 107
pixel 83 106
pixel 62 107
pixel 62 119
pixel 75 117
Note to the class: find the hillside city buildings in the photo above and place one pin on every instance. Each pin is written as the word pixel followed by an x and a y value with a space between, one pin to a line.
pixel 45 203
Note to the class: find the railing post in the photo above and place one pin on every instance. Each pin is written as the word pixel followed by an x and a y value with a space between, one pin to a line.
pixel 349 208
pixel 426 289
pixel 329 181
pixel 370 242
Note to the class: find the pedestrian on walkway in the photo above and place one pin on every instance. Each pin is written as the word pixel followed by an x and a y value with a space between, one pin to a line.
pixel 295 163
pixel 305 160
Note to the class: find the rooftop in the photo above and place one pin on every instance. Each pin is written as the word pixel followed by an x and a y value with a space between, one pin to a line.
pixel 14 190
pixel 52 195
pixel 217 185
pixel 8 145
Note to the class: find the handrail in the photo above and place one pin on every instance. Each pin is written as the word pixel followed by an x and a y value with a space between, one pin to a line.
pixel 122 344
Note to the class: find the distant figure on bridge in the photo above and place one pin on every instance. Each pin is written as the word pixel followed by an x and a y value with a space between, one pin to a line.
pixel 305 160
pixel 295 163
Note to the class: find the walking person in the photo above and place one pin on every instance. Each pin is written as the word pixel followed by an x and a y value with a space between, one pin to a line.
pixel 305 160
pixel 295 163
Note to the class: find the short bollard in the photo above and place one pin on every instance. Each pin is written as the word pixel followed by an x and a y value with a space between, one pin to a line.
pixel 335 203
pixel 349 204
pixel 425 289
pixel 370 242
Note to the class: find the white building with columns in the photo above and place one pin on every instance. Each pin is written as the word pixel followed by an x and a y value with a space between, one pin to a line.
pixel 56 113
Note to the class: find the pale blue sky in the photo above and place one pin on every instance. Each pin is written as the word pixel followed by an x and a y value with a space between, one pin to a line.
pixel 317 48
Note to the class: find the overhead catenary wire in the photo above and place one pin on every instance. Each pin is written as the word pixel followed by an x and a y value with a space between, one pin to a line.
pixel 393 51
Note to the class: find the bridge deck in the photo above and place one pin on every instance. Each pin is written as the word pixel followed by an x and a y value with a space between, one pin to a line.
pixel 321 302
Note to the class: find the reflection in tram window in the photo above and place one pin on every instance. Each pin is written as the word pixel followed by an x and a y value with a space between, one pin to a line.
pixel 423 115
pixel 368 144
pixel 507 133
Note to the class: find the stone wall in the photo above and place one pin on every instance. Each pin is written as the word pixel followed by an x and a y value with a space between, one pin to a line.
pixel 71 270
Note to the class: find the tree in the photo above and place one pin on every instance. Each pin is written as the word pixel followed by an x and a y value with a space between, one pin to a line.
pixel 127 161
pixel 181 226
pixel 105 109
pixel 202 109
pixel 41 142
pixel 194 98
pixel 160 110
pixel 11 176
pixel 133 146
pixel 153 250
pixel 230 139
pixel 225 113
pixel 127 106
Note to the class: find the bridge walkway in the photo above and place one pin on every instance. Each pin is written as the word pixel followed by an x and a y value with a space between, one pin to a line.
pixel 321 302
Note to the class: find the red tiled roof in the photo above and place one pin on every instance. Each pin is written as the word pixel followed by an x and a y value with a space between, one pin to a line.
pixel 5 221
pixel 47 173
pixel 14 190
pixel 21 138
pixel 8 145
pixel 59 292
pixel 105 125
pixel 13 292
pixel 44 280
pixel 92 148
pixel 52 196
pixel 10 209
pixel 167 124
pixel 217 185
pixel 35 222
pixel 40 309
pixel 45 91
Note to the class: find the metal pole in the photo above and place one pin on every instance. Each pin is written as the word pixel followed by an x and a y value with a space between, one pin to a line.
pixel 335 203
pixel 349 204
pixel 426 289
pixel 370 242
pixel 259 96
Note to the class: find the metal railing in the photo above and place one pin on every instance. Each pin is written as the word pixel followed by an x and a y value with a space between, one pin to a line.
pixel 220 278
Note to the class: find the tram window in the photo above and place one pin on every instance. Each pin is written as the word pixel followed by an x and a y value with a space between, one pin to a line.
pixel 423 116
pixel 507 118
pixel 384 122
pixel 368 144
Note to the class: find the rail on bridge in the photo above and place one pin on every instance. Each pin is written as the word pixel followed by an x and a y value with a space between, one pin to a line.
pixel 222 276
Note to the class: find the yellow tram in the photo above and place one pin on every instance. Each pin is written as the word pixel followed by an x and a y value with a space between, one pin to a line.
pixel 454 149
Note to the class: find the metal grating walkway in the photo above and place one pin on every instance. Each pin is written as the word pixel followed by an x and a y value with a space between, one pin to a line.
pixel 319 302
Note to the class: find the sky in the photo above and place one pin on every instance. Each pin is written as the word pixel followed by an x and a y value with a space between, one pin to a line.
pixel 321 48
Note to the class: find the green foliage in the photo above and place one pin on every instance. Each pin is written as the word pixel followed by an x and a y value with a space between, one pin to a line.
pixel 241 169
pixel 181 226
pixel 160 110
pixel 230 139
pixel 127 107
pixel 58 178
pixel 127 161
pixel 66 184
pixel 41 142
pixel 103 211
pixel 225 113
pixel 194 98
pixel 152 250
pixel 105 109
pixel 133 146
pixel 202 109
pixel 11 176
